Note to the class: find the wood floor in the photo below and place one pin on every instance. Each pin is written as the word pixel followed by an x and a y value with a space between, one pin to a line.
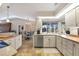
pixel 28 50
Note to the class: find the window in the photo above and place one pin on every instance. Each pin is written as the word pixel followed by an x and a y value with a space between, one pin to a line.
pixel 49 27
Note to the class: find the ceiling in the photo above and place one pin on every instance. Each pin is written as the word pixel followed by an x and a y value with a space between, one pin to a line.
pixel 25 10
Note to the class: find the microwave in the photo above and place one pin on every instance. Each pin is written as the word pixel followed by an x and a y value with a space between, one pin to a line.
pixel 74 31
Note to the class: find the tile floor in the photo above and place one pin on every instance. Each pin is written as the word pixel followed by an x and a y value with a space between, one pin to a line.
pixel 28 50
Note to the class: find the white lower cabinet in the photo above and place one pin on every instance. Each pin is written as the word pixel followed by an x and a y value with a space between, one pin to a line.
pixel 76 49
pixel 48 41
pixel 67 47
pixel 52 41
pixel 18 41
pixel 35 40
pixel 59 43
pixel 45 41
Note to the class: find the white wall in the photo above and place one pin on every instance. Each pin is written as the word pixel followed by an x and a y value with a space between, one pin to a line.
pixel 16 23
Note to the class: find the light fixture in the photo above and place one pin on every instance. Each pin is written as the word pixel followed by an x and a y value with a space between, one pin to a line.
pixel 7 20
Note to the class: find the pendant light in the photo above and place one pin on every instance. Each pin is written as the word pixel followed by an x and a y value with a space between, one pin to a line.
pixel 7 20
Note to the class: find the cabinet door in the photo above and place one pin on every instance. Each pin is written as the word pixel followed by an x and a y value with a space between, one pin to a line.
pixel 49 41
pixel 77 16
pixel 76 49
pixel 67 47
pixel 18 41
pixel 64 47
pixel 46 41
pixel 35 41
pixel 70 19
pixel 52 41
pixel 59 43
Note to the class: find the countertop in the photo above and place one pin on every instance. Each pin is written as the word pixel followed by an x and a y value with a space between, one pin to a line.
pixel 70 37
pixel 5 37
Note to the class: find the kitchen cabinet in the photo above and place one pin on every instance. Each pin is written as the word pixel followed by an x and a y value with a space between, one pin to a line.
pixel 59 43
pixel 44 41
pixel 70 19
pixel 38 41
pixel 77 15
pixel 49 41
pixel 18 41
pixel 67 47
pixel 52 41
pixel 76 49
pixel 35 40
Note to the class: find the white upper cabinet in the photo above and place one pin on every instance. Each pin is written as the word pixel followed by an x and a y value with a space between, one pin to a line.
pixel 70 18
pixel 77 16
